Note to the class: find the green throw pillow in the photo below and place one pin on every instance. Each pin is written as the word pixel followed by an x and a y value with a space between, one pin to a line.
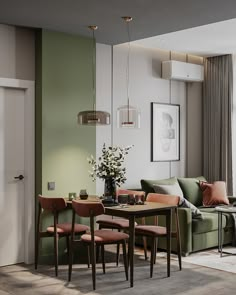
pixel 147 185
pixel 191 189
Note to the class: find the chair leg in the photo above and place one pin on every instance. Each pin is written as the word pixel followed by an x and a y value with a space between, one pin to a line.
pixel 56 253
pixel 71 252
pixel 88 249
pixel 103 259
pixel 156 245
pixel 125 260
pixel 36 257
pixel 93 262
pixel 179 250
pixel 179 255
pixel 178 239
pixel 68 246
pixel 97 253
pixel 152 256
pixel 118 252
pixel 145 247
pixel 98 246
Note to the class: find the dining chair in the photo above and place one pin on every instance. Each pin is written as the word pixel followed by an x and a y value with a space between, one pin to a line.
pixel 57 230
pixel 154 231
pixel 95 237
pixel 119 224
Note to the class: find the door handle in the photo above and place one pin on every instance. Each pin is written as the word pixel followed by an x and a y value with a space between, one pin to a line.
pixel 20 177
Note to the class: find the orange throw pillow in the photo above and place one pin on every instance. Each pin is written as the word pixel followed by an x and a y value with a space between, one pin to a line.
pixel 214 193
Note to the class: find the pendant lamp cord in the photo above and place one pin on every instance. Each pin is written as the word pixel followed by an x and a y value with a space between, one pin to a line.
pixel 127 66
pixel 93 72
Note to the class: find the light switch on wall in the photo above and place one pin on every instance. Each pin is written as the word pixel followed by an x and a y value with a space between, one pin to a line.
pixel 51 185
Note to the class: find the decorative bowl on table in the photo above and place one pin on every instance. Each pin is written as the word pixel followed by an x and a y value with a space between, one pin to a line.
pixel 83 195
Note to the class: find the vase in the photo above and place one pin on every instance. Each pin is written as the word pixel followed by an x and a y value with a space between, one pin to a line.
pixel 110 188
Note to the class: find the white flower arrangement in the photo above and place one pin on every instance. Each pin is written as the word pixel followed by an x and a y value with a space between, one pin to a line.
pixel 110 164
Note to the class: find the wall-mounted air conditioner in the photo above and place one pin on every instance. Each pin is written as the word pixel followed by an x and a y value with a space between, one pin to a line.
pixel 183 71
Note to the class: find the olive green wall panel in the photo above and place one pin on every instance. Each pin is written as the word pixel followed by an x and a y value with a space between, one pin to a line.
pixel 63 88
pixel 66 88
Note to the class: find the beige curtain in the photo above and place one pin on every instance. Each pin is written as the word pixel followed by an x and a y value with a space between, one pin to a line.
pixel 217 119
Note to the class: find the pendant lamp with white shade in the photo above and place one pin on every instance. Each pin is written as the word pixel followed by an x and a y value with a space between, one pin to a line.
pixel 93 117
pixel 128 116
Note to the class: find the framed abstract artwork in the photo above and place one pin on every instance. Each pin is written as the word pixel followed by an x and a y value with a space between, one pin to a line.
pixel 165 132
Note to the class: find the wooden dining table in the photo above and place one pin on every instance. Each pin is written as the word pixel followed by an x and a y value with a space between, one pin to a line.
pixel 131 212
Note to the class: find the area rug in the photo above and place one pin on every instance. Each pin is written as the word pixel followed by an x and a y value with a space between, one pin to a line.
pixel 212 259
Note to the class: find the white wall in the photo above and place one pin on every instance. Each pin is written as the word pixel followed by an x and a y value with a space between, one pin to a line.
pixel 146 86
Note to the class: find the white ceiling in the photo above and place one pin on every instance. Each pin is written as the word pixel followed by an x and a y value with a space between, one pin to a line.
pixel 208 40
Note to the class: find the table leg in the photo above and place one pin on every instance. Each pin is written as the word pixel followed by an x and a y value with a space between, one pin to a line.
pixel 168 229
pixel 220 233
pixel 131 248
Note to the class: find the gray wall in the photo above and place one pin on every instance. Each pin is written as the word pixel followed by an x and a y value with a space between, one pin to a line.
pixel 17 53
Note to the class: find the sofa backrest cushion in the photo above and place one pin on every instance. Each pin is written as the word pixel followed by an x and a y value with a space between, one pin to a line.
pixel 147 185
pixel 191 189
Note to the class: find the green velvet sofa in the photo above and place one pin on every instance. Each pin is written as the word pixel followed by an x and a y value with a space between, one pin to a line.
pixel 196 234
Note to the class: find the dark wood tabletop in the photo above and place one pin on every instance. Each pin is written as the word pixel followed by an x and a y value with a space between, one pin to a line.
pixel 149 208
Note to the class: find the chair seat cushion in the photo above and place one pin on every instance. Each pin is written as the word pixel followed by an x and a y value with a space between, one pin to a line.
pixel 150 230
pixel 105 236
pixel 114 223
pixel 65 228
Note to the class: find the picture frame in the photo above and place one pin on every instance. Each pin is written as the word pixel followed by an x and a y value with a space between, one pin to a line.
pixel 165 132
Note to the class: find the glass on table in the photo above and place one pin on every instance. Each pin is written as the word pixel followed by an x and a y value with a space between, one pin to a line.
pixel 123 200
pixel 72 196
pixel 132 199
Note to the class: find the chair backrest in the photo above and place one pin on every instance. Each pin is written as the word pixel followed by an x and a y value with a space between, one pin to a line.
pixel 52 204
pixel 162 198
pixel 129 192
pixel 88 209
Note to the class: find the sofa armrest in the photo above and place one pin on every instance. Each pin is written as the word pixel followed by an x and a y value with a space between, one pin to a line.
pixel 232 199
pixel 185 224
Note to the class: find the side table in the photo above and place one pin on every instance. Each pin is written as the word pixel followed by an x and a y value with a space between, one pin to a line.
pixel 221 210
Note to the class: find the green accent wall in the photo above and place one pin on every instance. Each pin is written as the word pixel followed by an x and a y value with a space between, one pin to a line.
pixel 64 87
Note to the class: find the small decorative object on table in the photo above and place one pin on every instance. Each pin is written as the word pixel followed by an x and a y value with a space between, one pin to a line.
pixel 83 194
pixel 109 167
pixel 72 196
pixel 139 199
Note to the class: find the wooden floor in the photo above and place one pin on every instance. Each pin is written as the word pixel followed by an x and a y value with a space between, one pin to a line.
pixel 193 279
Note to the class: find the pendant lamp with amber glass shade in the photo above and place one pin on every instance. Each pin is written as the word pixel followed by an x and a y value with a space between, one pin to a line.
pixel 93 117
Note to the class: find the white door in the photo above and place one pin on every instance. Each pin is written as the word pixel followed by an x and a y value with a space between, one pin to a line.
pixel 11 165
